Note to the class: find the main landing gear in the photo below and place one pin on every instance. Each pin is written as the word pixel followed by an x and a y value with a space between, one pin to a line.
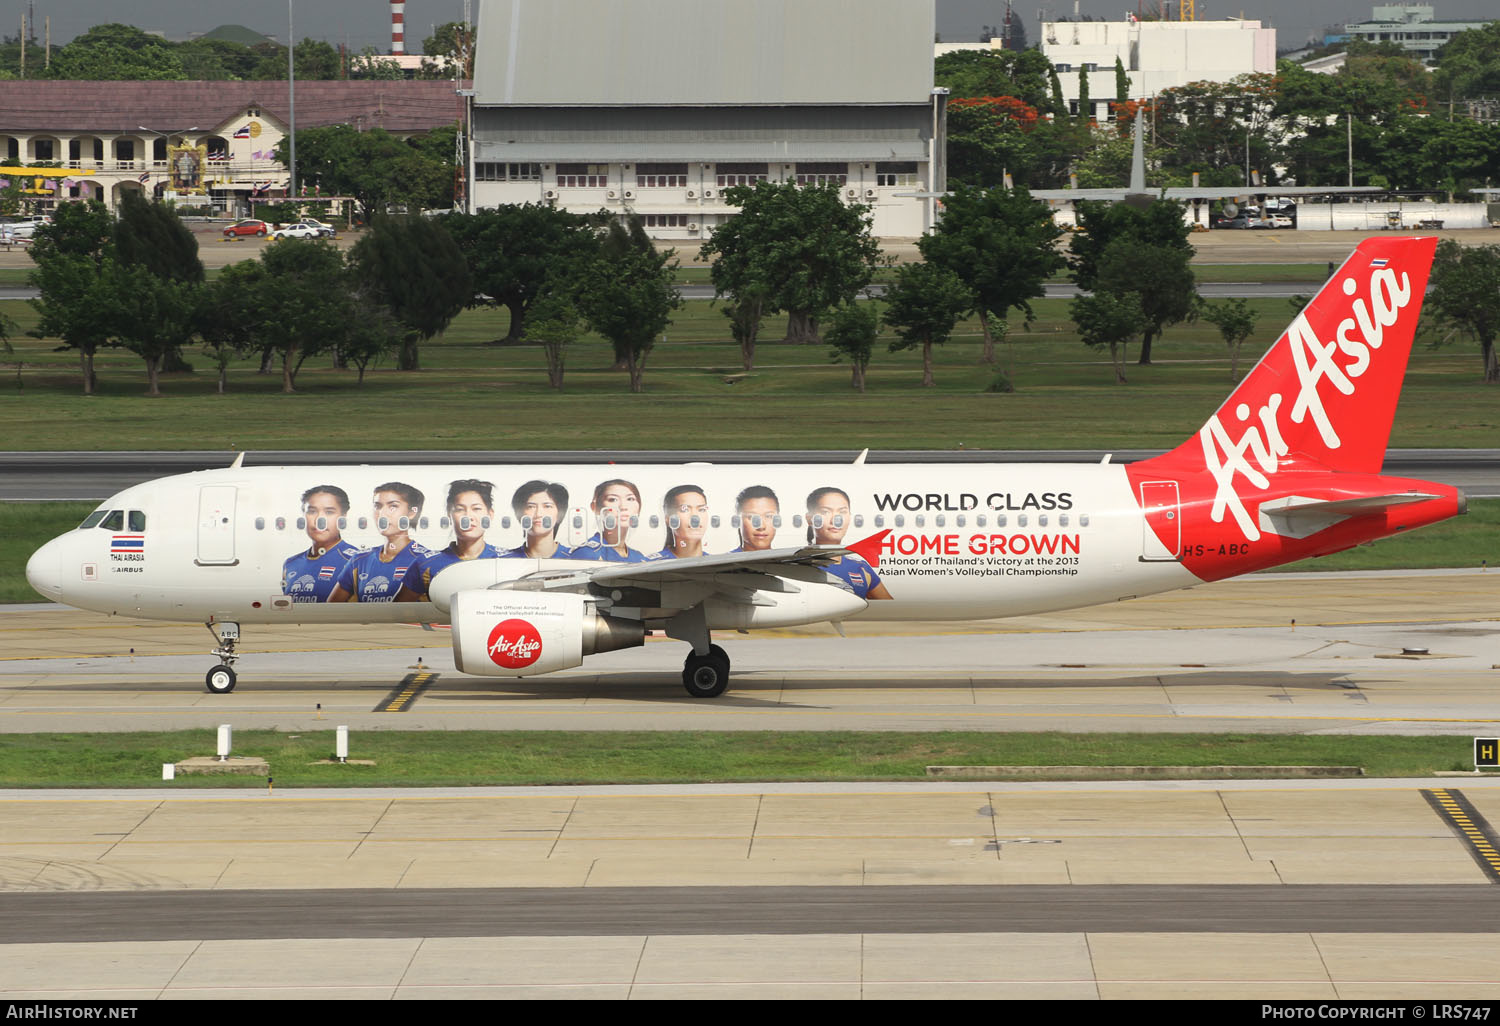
pixel 221 679
pixel 706 676
pixel 705 672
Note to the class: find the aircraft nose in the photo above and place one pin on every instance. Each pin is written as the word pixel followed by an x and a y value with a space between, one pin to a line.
pixel 44 570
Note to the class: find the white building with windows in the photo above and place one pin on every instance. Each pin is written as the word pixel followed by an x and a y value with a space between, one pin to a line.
pixel 1413 27
pixel 1156 55
pixel 654 107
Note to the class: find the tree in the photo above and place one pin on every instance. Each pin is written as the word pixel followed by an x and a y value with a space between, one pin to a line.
pixel 807 249
pixel 1108 319
pixel 978 73
pixel 376 168
pixel 70 255
pixel 627 295
pixel 227 315
pixel 450 46
pixel 745 314
pixel 923 306
pixel 1161 279
pixel 149 234
pixel 153 317
pixel 1122 83
pixel 515 252
pixel 413 266
pixel 1002 244
pixel 372 333
pixel 1159 226
pixel 1236 322
pixel 1085 105
pixel 302 306
pixel 1468 65
pixel 554 325
pixel 1465 297
pixel 851 333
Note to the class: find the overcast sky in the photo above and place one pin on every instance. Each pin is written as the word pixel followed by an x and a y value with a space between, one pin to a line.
pixel 361 23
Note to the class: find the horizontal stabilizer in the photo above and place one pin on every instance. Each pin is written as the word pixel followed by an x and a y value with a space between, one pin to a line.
pixel 1299 517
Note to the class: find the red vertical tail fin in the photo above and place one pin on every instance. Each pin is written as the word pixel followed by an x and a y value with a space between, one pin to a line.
pixel 1327 390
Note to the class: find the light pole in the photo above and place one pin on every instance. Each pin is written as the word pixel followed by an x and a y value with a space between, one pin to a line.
pixel 291 101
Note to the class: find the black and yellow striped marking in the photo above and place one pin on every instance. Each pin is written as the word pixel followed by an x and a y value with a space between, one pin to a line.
pixel 1472 828
pixel 405 695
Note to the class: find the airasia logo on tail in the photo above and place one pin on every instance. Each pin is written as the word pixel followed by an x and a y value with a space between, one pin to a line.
pixel 1254 457
pixel 514 644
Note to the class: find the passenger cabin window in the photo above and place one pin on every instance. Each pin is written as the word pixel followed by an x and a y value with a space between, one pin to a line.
pixel 260 523
pixel 797 520
pixel 1042 520
pixel 1021 520
pixel 1062 520
pixel 1083 520
pixel 115 521
pixel 859 520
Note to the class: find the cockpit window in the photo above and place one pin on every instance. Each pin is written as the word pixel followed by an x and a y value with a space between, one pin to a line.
pixel 92 520
pixel 137 520
pixel 115 521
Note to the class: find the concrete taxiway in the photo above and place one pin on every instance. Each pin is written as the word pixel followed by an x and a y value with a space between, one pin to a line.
pixel 1310 889
pixel 1274 652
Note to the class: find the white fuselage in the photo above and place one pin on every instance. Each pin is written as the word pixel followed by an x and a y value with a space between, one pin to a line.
pixel 964 541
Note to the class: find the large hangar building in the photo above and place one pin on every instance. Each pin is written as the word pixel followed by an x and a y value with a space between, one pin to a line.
pixel 654 107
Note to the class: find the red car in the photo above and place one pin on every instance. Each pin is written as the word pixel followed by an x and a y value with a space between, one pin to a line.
pixel 249 226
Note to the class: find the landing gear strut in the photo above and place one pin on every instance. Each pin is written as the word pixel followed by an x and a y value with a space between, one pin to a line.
pixel 706 676
pixel 221 679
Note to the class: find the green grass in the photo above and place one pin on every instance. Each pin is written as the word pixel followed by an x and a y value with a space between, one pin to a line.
pixel 482 758
pixel 472 394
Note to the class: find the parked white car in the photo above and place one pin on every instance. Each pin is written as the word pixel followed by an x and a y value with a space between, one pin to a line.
pixel 296 231
pixel 324 229
pixel 26 227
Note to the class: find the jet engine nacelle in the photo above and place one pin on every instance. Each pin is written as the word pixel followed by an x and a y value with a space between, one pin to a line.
pixel 525 634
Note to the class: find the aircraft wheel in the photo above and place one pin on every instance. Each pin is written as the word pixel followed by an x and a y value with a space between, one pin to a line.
pixel 220 679
pixel 706 676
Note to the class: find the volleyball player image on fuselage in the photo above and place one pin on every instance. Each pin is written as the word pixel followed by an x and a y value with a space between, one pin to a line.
pixel 375 574
pixel 310 575
pixel 471 508
pixel 617 508
pixel 759 515
pixel 685 510
pixel 828 519
pixel 539 506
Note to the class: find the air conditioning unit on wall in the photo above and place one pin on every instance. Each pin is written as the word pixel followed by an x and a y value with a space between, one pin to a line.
pixel 869 194
pixel 692 226
pixel 709 194
pixel 691 194
pixel 551 194
pixel 612 194
pixel 852 193
pixel 629 194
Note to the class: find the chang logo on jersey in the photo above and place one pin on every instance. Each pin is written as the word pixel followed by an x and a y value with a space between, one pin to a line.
pixel 514 644
pixel 1255 455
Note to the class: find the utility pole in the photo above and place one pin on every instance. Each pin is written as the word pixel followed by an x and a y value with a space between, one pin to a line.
pixel 1349 122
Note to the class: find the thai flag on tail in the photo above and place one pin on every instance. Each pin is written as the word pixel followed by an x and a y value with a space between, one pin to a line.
pixel 1378 263
pixel 123 543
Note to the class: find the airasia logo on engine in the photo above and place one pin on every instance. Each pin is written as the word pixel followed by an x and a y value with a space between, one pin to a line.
pixel 514 644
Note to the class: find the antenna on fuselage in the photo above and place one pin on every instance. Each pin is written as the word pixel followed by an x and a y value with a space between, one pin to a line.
pixel 239 461
pixel 859 460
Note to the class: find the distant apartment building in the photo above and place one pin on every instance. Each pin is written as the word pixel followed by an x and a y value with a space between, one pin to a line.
pixel 1156 55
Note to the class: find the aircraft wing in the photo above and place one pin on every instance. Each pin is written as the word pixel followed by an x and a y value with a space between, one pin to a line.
pixel 659 571
pixel 1189 192
pixel 1079 194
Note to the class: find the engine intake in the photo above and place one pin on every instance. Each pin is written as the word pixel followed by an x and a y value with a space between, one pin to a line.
pixel 525 634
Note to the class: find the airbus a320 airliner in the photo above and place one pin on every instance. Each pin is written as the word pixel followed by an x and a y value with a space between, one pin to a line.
pixel 535 568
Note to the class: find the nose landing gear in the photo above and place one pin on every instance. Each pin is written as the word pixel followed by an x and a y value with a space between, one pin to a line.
pixel 221 679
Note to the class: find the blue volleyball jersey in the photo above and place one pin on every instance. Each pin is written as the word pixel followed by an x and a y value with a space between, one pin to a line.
pixel 369 578
pixel 855 574
pixel 596 550
pixel 563 552
pixel 310 575
pixel 419 577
